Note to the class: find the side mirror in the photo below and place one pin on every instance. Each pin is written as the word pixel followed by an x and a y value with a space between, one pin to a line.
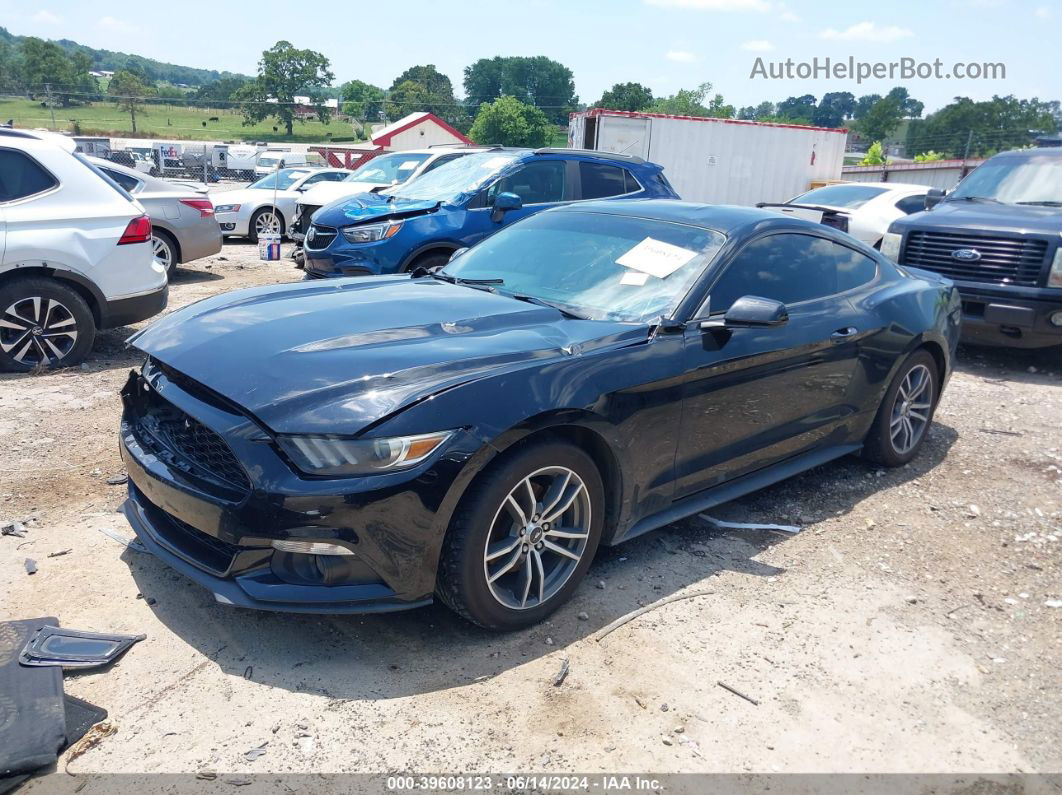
pixel 751 311
pixel 934 197
pixel 457 253
pixel 504 202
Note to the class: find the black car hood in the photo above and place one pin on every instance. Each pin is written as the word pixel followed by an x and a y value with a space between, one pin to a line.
pixel 985 217
pixel 339 355
pixel 366 207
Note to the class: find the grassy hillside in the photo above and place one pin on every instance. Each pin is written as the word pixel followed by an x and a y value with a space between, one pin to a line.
pixel 164 121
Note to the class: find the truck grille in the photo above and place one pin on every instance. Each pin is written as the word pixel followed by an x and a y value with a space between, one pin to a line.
pixel 182 441
pixel 1004 260
pixel 320 237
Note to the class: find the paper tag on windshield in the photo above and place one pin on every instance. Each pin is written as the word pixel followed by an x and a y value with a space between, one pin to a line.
pixel 409 165
pixel 656 258
pixel 634 278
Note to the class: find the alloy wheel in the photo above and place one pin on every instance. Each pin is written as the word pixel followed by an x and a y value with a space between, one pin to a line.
pixel 163 251
pixel 910 410
pixel 537 538
pixel 267 224
pixel 36 330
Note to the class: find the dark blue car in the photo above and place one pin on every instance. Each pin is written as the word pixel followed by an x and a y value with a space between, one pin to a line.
pixel 421 223
pixel 475 433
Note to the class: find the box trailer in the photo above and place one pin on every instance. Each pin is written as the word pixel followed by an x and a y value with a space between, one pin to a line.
pixel 717 161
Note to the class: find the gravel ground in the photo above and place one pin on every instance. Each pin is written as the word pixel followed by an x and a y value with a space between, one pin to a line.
pixel 913 626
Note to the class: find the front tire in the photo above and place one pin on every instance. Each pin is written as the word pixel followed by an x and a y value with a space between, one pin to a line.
pixel 523 537
pixel 43 323
pixel 903 419
pixel 265 220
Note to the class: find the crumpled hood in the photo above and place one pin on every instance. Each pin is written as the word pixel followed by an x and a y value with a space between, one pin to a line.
pixel 335 356
pixel 327 192
pixel 985 217
pixel 366 207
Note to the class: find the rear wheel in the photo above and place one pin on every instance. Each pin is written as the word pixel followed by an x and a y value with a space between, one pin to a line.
pixel 165 249
pixel 265 221
pixel 524 537
pixel 43 323
pixel 904 417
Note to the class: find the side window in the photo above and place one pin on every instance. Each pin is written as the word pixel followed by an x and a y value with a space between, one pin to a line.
pixel 441 161
pixel 539 182
pixel 21 176
pixel 791 268
pixel 126 181
pixel 327 176
pixel 912 204
pixel 600 180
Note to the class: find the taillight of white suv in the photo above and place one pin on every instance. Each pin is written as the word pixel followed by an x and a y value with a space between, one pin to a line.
pixel 137 231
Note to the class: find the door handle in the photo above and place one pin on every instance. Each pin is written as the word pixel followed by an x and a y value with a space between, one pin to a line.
pixel 844 333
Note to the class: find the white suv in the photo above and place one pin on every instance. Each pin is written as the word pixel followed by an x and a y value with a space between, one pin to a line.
pixel 75 253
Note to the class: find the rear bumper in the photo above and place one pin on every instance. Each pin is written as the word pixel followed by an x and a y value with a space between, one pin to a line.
pixel 1018 319
pixel 123 311
pixel 201 240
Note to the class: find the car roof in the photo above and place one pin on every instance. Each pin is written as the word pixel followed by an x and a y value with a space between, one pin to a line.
pixel 890 186
pixel 726 218
pixel 1036 151
pixel 13 136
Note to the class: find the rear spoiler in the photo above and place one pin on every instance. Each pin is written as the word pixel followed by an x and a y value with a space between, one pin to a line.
pixel 833 218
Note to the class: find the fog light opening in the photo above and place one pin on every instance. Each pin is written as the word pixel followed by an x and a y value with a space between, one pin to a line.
pixel 311 548
pixel 1056 318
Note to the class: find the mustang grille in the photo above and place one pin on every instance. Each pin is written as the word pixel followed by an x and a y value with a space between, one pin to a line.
pixel 1003 260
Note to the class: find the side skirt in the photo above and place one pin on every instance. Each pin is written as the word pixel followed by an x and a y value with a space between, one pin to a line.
pixel 739 487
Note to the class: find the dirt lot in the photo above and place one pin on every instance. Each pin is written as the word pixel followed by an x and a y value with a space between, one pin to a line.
pixel 909 627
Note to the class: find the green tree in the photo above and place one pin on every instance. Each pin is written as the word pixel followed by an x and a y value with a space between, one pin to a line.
pixel 833 109
pixel 875 155
pixel 977 128
pixel 129 92
pixel 534 80
pixel 9 67
pixel 219 93
pixel 626 96
pixel 284 73
pixel 800 109
pixel 409 97
pixel 928 157
pixel 864 104
pixel 436 96
pixel 361 100
pixel 691 102
pixel 510 122
pixel 882 118
pixel 46 69
pixel 910 106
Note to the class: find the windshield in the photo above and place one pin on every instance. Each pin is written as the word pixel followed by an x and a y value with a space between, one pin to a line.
pixel 848 196
pixel 1015 180
pixel 388 169
pixel 464 175
pixel 281 180
pixel 605 267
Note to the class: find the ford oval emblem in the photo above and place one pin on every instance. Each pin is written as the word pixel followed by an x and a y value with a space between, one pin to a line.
pixel 966 254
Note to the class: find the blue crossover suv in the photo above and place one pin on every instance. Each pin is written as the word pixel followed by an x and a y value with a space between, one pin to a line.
pixel 421 223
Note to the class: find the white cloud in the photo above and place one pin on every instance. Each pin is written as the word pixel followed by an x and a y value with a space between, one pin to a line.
pixel 1043 12
pixel 115 25
pixel 682 56
pixel 757 45
pixel 867 31
pixel 46 17
pixel 788 16
pixel 714 5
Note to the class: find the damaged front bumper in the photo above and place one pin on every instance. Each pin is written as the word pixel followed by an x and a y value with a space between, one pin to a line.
pixel 200 518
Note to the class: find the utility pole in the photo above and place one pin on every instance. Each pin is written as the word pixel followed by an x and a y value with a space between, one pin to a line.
pixel 51 105
pixel 966 153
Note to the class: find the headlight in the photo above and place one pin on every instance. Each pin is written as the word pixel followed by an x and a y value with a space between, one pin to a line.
pixel 890 246
pixel 370 233
pixel 227 208
pixel 1054 278
pixel 325 455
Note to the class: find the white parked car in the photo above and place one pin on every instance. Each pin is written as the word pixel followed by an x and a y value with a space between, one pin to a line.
pixel 272 160
pixel 862 209
pixel 268 205
pixel 75 253
pixel 383 171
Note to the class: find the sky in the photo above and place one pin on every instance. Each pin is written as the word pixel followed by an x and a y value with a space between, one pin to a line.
pixel 664 44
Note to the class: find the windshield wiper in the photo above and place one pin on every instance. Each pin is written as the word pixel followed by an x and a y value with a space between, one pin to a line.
pixel 1044 203
pixel 975 199
pixel 481 284
pixel 532 299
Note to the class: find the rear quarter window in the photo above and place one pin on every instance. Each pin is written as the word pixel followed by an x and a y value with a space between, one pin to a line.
pixel 22 176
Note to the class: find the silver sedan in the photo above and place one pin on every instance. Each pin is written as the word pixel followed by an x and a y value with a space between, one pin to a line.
pixel 183 226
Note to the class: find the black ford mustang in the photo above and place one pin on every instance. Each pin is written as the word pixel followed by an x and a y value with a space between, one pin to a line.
pixel 590 373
